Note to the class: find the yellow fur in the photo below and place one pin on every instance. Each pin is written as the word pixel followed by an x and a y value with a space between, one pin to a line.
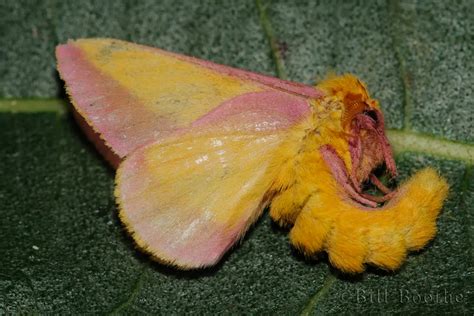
pixel 324 218
pixel 340 86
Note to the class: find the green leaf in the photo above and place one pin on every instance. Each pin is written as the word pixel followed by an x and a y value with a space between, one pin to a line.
pixel 63 249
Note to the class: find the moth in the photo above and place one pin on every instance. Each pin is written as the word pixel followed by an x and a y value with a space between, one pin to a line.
pixel 202 149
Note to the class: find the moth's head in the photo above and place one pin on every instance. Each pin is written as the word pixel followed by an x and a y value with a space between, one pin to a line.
pixel 362 145
pixel 352 93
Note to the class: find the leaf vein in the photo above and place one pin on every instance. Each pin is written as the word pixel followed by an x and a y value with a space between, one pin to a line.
pixel 270 35
pixel 133 294
pixel 319 295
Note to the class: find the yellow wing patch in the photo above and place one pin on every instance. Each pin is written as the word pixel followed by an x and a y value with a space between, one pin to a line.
pixel 167 85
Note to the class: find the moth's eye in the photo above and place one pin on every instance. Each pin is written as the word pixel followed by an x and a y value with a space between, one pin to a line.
pixel 372 115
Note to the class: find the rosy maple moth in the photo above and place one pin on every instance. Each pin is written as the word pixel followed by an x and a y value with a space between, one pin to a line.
pixel 202 149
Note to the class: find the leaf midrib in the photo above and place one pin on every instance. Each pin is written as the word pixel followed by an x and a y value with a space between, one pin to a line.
pixel 405 140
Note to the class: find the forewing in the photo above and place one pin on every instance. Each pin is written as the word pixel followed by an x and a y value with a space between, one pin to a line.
pixel 189 200
pixel 133 95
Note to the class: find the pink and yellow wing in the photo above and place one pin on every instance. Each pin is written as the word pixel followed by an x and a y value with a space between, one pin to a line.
pixel 133 95
pixel 197 141
pixel 188 200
